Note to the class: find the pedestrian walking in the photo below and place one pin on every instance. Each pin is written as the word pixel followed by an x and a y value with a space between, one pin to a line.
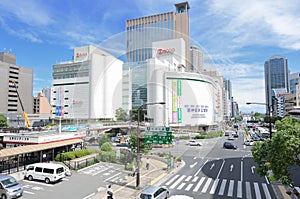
pixel 147 163
pixel 109 192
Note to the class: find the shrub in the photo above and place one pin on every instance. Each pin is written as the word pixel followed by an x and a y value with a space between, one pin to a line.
pixel 178 159
pixel 106 147
pixel 200 137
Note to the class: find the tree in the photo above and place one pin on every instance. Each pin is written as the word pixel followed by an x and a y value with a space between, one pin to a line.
pixel 104 138
pixel 281 152
pixel 121 114
pixel 106 147
pixel 133 142
pixel 3 121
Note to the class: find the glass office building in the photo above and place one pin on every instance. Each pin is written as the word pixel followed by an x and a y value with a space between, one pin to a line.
pixel 276 77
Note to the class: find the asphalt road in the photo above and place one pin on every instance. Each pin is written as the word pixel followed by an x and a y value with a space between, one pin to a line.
pixel 80 185
pixel 213 172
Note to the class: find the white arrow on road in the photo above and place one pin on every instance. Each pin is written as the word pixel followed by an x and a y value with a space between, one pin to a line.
pixel 193 164
pixel 252 169
pixel 231 167
pixel 212 166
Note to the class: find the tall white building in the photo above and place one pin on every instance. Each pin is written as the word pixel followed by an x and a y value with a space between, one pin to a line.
pixel 89 86
pixel 190 98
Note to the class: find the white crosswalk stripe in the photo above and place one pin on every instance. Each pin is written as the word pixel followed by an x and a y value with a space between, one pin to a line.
pixel 257 192
pixel 206 185
pixel 222 187
pixel 230 189
pixel 177 182
pixel 239 190
pixel 199 184
pixel 266 191
pixel 214 186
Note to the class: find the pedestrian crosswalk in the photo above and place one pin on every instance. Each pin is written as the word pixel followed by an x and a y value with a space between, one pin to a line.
pixel 228 188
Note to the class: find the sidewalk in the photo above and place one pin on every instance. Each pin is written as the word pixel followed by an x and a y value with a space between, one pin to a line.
pixel 126 188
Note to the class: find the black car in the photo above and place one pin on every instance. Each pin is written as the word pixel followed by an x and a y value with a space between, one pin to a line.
pixel 229 145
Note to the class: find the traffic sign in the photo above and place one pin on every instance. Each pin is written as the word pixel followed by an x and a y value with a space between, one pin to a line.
pixel 158 135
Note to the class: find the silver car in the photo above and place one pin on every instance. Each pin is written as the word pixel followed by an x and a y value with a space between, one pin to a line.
pixel 154 192
pixel 9 187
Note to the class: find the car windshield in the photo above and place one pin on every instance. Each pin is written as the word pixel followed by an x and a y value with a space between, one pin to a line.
pixel 145 196
pixel 9 182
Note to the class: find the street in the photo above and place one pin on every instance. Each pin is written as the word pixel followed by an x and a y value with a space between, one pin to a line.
pixel 221 173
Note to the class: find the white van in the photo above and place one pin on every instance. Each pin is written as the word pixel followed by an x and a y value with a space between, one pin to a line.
pixel 47 172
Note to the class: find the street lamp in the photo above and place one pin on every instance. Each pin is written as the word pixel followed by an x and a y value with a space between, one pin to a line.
pixel 138 158
pixel 269 110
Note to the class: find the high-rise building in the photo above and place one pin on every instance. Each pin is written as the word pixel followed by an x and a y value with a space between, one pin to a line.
pixel 47 93
pixel 23 77
pixel 141 33
pixel 89 86
pixel 295 82
pixel 196 59
pixel 276 77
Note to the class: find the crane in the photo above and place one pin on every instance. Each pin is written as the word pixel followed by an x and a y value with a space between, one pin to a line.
pixel 27 123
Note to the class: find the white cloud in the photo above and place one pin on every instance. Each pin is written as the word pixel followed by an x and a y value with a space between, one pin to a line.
pixel 30 12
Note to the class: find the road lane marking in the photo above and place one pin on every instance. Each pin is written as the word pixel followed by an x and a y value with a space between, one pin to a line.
pixel 99 171
pixel 86 197
pixel 221 168
pixel 206 185
pixel 29 192
pixel 267 193
pixel 222 188
pixel 40 183
pixel 189 187
pixel 231 167
pixel 181 186
pixel 200 168
pixel 242 165
pixel 112 177
pixel 195 179
pixel 257 192
pixel 230 189
pixel 199 184
pixel 170 181
pixel 188 178
pixel 267 180
pixel 239 189
pixel 252 169
pixel 248 191
pixel 214 186
pixel 212 166
pixel 177 182
pixel 191 166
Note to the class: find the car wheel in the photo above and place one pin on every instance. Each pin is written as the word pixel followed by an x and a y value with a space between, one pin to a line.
pixel 30 178
pixel 47 180
pixel 3 196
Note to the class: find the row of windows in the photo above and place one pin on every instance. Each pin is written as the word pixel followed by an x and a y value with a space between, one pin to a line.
pixel 71 75
pixel 70 68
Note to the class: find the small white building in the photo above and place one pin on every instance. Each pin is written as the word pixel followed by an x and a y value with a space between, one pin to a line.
pixel 88 87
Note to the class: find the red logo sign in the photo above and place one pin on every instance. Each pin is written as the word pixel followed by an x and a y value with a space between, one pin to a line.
pixel 80 55
pixel 165 51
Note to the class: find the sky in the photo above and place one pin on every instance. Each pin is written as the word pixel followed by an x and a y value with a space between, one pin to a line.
pixel 238 36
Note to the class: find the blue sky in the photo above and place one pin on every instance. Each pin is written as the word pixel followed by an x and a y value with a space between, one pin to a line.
pixel 239 36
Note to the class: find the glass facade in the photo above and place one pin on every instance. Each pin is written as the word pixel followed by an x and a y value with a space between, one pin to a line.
pixel 141 36
pixel 276 76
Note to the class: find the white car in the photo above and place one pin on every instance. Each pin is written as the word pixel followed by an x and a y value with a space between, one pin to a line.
pixel 194 143
pixel 249 143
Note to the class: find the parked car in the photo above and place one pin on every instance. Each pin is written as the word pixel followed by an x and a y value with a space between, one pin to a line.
pixel 296 192
pixel 227 133
pixel 229 145
pixel 155 192
pixel 236 135
pixel 194 143
pixel 9 187
pixel 249 143
pixel 47 172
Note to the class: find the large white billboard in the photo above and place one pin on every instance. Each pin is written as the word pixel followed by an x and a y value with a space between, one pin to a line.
pixel 192 101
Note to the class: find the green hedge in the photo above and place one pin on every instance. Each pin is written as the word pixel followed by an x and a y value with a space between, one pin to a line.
pixel 71 155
